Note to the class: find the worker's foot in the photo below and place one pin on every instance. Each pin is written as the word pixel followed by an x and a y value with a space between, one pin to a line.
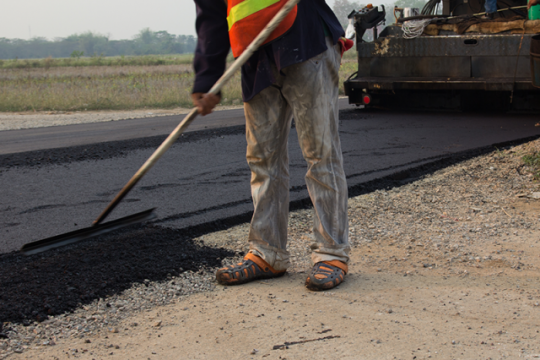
pixel 326 275
pixel 252 268
pixel 489 16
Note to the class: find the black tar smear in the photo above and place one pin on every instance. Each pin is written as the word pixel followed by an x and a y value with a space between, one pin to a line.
pixel 287 344
pixel 58 281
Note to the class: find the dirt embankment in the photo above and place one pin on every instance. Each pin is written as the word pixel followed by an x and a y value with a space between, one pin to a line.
pixel 445 267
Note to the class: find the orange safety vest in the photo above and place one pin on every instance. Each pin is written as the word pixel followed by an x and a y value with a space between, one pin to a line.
pixel 247 18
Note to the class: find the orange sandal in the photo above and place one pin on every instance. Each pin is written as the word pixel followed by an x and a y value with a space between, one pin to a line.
pixel 326 275
pixel 252 268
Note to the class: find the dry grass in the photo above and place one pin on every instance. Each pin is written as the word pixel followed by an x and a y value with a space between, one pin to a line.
pixel 111 87
pixel 91 71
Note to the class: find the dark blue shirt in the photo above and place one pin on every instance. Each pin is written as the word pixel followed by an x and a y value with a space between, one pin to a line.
pixel 303 41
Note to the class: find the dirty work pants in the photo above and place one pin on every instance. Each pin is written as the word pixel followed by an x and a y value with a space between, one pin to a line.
pixel 309 92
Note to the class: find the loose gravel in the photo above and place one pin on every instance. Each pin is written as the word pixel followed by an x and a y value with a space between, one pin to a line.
pixel 446 221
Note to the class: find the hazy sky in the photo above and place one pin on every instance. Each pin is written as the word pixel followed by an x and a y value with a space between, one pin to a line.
pixel 121 19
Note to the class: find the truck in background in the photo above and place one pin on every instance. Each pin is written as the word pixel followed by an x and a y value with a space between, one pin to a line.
pixel 450 59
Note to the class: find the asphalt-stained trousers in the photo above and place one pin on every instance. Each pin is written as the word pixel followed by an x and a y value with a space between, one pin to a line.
pixel 309 92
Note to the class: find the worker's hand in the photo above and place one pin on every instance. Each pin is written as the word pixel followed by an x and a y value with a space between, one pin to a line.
pixel 205 103
pixel 532 3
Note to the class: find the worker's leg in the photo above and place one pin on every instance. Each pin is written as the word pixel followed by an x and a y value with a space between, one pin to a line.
pixel 268 120
pixel 311 89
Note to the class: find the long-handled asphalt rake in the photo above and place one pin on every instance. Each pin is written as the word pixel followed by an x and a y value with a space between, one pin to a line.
pixel 97 227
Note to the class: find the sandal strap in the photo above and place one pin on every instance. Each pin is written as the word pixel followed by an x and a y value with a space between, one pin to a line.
pixel 338 264
pixel 251 268
pixel 261 263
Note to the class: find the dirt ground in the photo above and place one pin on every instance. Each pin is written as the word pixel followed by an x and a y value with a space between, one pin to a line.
pixel 476 313
pixel 410 295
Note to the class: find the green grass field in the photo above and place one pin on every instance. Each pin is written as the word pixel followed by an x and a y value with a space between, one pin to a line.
pixel 114 83
pixel 146 60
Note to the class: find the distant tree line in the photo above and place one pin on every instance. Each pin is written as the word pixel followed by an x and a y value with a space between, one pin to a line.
pixel 147 42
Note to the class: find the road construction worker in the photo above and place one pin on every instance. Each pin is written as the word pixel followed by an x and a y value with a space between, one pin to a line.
pixel 294 74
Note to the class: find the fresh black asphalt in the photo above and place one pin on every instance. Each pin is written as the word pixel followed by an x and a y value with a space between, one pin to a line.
pixel 16 141
pixel 203 180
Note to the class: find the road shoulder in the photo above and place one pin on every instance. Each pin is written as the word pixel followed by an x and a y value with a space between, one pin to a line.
pixel 446 266
pixel 32 120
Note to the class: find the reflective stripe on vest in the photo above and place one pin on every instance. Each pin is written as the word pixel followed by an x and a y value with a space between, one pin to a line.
pixel 246 8
pixel 247 18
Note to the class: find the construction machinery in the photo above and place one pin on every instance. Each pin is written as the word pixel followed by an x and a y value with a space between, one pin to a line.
pixel 449 55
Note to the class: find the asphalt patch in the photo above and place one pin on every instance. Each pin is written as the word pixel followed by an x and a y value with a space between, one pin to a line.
pixel 58 281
